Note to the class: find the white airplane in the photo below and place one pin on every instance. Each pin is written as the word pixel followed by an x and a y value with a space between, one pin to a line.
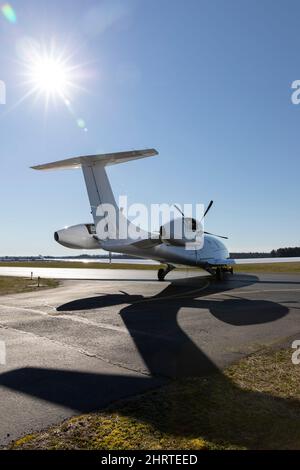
pixel 172 252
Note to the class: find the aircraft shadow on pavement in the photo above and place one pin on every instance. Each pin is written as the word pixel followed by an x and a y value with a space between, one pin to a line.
pixel 153 324
pixel 166 350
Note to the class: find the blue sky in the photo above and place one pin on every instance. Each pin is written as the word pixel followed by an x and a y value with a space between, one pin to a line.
pixel 207 83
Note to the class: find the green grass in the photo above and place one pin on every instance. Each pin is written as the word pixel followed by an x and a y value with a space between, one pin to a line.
pixel 77 264
pixel 15 285
pixel 255 404
pixel 250 268
pixel 268 268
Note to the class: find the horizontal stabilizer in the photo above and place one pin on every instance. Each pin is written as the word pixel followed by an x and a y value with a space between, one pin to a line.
pixel 92 160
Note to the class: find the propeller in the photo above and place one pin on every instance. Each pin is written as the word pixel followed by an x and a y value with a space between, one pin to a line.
pixel 214 235
pixel 179 210
pixel 204 215
pixel 208 209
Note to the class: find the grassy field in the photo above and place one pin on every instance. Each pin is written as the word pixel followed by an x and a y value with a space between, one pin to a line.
pixel 268 268
pixel 255 268
pixel 255 404
pixel 15 285
pixel 77 264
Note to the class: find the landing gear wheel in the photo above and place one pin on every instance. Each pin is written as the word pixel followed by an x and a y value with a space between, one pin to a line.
pixel 219 274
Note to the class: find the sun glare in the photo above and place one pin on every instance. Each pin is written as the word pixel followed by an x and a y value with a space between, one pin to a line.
pixel 50 76
pixel 48 72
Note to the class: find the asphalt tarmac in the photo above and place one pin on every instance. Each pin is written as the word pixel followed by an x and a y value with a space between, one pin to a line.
pixel 90 342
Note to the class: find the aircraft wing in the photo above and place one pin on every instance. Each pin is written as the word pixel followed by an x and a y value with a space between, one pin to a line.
pixel 232 262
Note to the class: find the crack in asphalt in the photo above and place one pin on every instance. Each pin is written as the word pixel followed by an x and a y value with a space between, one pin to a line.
pixel 79 350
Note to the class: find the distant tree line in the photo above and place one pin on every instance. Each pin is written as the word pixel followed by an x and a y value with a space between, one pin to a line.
pixel 286 252
pixel 250 255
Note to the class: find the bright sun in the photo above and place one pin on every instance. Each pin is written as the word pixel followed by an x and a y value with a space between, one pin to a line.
pixel 49 72
pixel 50 76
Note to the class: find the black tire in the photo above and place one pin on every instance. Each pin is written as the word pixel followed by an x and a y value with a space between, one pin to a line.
pixel 161 274
pixel 219 274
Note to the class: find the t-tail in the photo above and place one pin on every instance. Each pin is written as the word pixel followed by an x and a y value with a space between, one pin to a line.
pixel 106 214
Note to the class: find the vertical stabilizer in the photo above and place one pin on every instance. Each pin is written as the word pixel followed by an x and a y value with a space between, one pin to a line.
pixel 102 201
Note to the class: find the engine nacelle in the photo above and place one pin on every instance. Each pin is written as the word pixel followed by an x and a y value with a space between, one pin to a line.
pixel 80 237
pixel 183 231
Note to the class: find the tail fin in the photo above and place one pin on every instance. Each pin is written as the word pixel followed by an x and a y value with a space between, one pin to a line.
pixel 96 180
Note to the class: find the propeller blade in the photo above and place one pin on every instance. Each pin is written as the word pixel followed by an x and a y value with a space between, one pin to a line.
pixel 179 210
pixel 214 235
pixel 205 213
pixel 208 208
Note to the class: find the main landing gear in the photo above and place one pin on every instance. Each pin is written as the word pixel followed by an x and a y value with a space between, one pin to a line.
pixel 219 272
pixel 163 272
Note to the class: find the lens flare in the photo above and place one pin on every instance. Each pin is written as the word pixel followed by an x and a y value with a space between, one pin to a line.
pixel 81 123
pixel 9 13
